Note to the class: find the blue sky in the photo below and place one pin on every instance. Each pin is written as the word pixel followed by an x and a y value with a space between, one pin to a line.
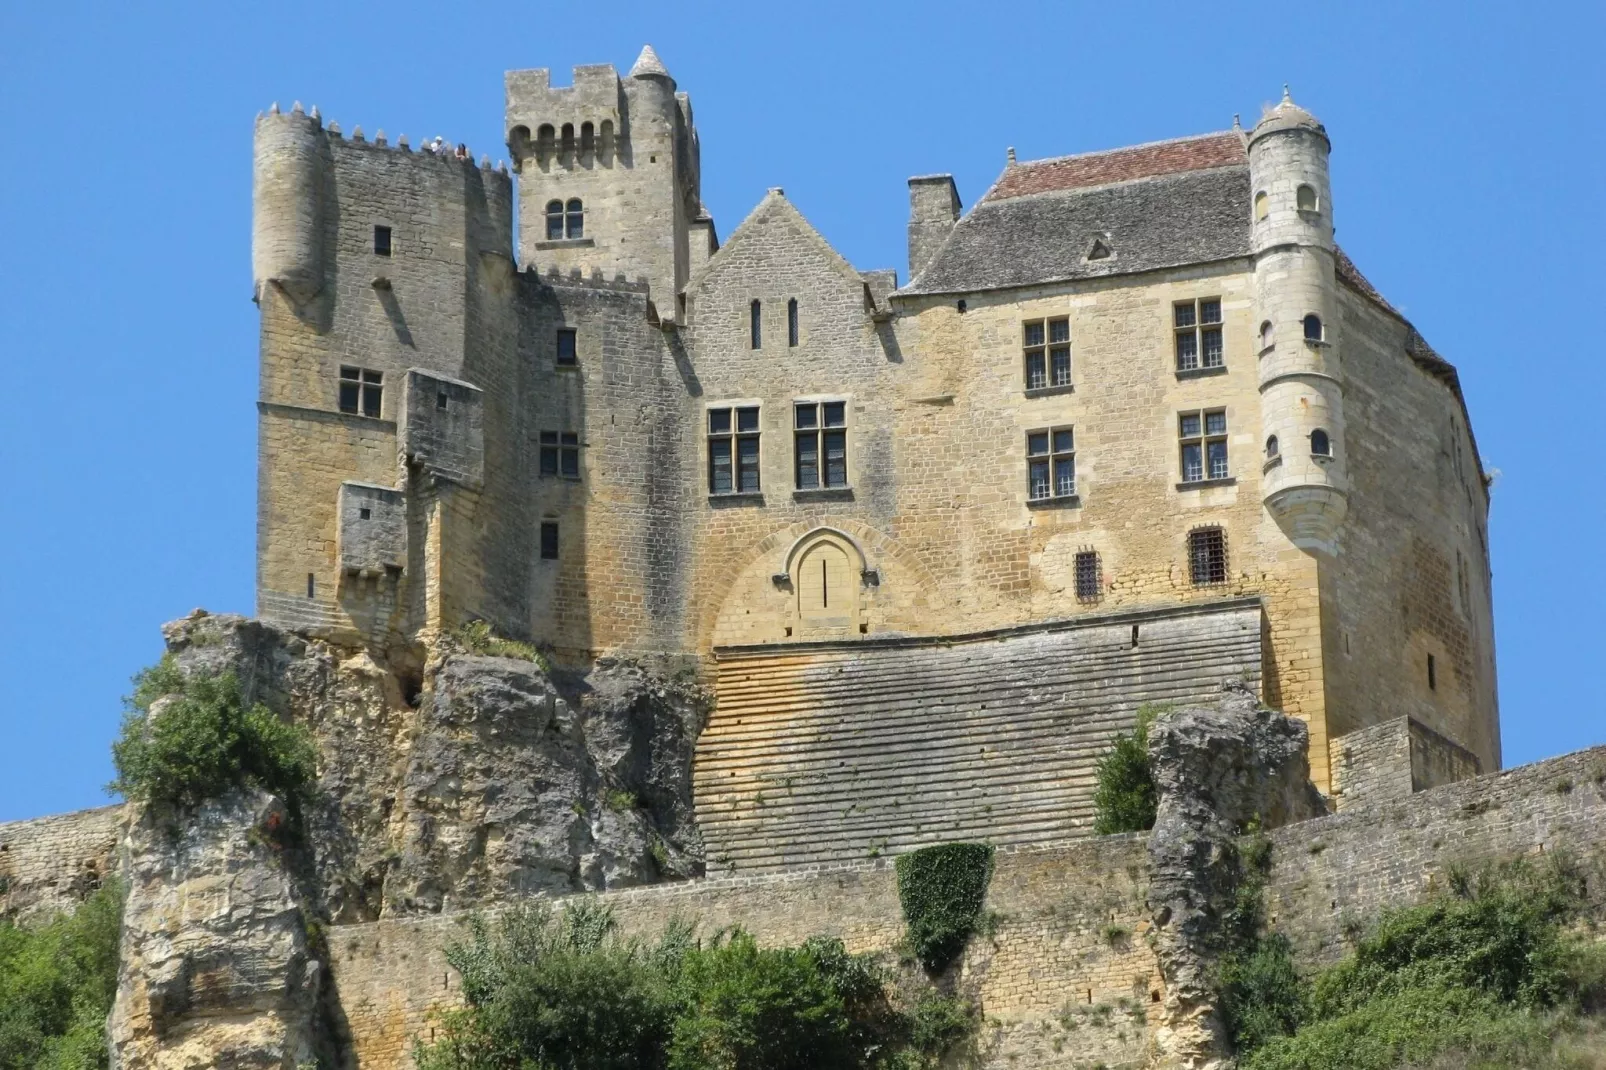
pixel 1467 161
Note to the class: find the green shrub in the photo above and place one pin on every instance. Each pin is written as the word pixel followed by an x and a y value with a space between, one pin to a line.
pixel 56 986
pixel 1485 975
pixel 546 990
pixel 206 742
pixel 941 890
pixel 1125 799
pixel 476 637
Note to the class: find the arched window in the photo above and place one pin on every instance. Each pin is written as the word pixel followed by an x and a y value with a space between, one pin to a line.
pixel 588 139
pixel 575 223
pixel 568 139
pixel 1305 198
pixel 1262 205
pixel 554 220
pixel 791 322
pixel 1320 444
pixel 545 136
pixel 605 140
pixel 1271 446
pixel 755 324
pixel 1267 334
pixel 1313 328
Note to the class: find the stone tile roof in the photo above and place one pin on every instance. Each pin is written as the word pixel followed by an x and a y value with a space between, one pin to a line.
pixel 1120 165
pixel 1163 220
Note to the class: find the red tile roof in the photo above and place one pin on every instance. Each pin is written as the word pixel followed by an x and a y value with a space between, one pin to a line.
pixel 1119 165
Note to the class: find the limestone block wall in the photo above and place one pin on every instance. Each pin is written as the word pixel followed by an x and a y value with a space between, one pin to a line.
pixel 1395 758
pixel 49 864
pixel 850 750
pixel 1068 947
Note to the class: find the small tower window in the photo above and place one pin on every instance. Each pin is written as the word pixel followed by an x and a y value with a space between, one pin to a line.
pixel 1305 198
pixel 588 139
pixel 545 137
pixel 1320 444
pixel 549 540
pixel 566 345
pixel 1262 205
pixel 1207 556
pixel 560 454
pixel 1268 334
pixel 568 139
pixel 575 219
pixel 791 322
pixel 755 325
pixel 554 220
pixel 312 585
pixel 1087 576
pixel 381 240
pixel 361 391
pixel 1271 446
pixel 1433 676
pixel 1313 328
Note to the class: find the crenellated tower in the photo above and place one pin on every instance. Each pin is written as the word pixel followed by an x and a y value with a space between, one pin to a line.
pixel 1301 371
pixel 609 176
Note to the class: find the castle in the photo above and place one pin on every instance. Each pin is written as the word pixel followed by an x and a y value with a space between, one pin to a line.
pixel 1133 424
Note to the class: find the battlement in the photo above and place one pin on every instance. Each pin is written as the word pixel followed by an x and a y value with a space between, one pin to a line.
pixel 575 279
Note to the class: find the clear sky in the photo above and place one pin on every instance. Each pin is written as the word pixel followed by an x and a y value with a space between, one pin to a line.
pixel 1468 154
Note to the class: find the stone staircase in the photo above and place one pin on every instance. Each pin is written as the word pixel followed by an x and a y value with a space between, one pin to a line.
pixel 829 752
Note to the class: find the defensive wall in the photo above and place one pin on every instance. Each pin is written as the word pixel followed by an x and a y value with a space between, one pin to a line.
pixel 1065 977
pixel 51 863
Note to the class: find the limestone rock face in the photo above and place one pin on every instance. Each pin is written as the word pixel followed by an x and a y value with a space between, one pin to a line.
pixel 216 968
pixel 1217 771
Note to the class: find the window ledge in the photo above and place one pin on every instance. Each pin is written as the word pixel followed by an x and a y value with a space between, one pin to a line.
pixel 736 498
pixel 1322 458
pixel 565 243
pixel 1317 343
pixel 822 494
pixel 1272 462
pixel 1202 484
pixel 1050 391
pixel 1201 373
pixel 1059 501
pixel 566 365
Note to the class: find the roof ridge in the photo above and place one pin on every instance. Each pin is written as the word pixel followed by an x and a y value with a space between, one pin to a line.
pixel 1126 148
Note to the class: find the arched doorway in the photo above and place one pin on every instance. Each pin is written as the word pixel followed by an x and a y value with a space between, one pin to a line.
pixel 827 579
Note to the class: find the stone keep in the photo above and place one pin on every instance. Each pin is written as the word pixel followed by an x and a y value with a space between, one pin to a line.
pixel 539 437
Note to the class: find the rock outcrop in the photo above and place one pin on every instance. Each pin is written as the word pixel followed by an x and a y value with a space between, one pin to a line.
pixel 217 966
pixel 1220 772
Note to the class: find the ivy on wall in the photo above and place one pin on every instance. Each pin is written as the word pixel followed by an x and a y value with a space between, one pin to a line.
pixel 941 890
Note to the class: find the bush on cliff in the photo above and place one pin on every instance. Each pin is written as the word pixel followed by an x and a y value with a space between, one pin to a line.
pixel 57 981
pixel 1125 799
pixel 205 742
pixel 1487 975
pixel 549 990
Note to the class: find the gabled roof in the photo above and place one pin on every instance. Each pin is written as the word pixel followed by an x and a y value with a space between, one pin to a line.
pixel 775 209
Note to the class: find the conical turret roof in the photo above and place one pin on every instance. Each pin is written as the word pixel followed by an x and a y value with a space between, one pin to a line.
pixel 1287 116
pixel 648 64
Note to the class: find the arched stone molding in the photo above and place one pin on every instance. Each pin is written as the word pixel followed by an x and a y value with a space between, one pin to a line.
pixel 750 603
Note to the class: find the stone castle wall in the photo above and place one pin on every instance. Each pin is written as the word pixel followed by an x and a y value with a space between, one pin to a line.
pixel 1069 943
pixel 50 864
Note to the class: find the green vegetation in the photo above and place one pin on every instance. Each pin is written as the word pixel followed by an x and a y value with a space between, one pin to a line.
pixel 476 637
pixel 56 987
pixel 565 991
pixel 205 742
pixel 1126 799
pixel 941 890
pixel 1492 974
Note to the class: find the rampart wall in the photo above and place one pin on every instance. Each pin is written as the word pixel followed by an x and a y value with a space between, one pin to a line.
pixel 50 864
pixel 1066 974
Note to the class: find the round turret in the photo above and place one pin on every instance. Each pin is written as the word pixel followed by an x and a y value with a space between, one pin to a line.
pixel 1301 373
pixel 287 203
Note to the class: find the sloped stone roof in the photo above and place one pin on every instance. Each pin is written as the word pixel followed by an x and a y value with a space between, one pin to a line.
pixel 1120 165
pixel 1044 232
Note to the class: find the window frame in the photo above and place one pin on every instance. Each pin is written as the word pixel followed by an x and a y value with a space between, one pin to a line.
pixel 1051 457
pixel 574 219
pixel 755 324
pixel 573 338
pixel 384 240
pixel 1327 440
pixel 559 455
pixel 1052 341
pixel 792 332
pixel 1321 328
pixel 1202 440
pixel 367 386
pixel 554 220
pixel 733 436
pixel 1208 566
pixel 1196 331
pixel 1087 573
pixel 819 433
pixel 550 528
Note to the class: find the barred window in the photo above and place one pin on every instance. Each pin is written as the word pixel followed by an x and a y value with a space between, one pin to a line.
pixel 1089 582
pixel 1203 436
pixel 560 454
pixel 1050 464
pixel 549 540
pixel 1207 556
pixel 1047 349
pixel 1197 325
pixel 361 390
pixel 567 348
pixel 554 220
pixel 733 451
pixel 821 438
